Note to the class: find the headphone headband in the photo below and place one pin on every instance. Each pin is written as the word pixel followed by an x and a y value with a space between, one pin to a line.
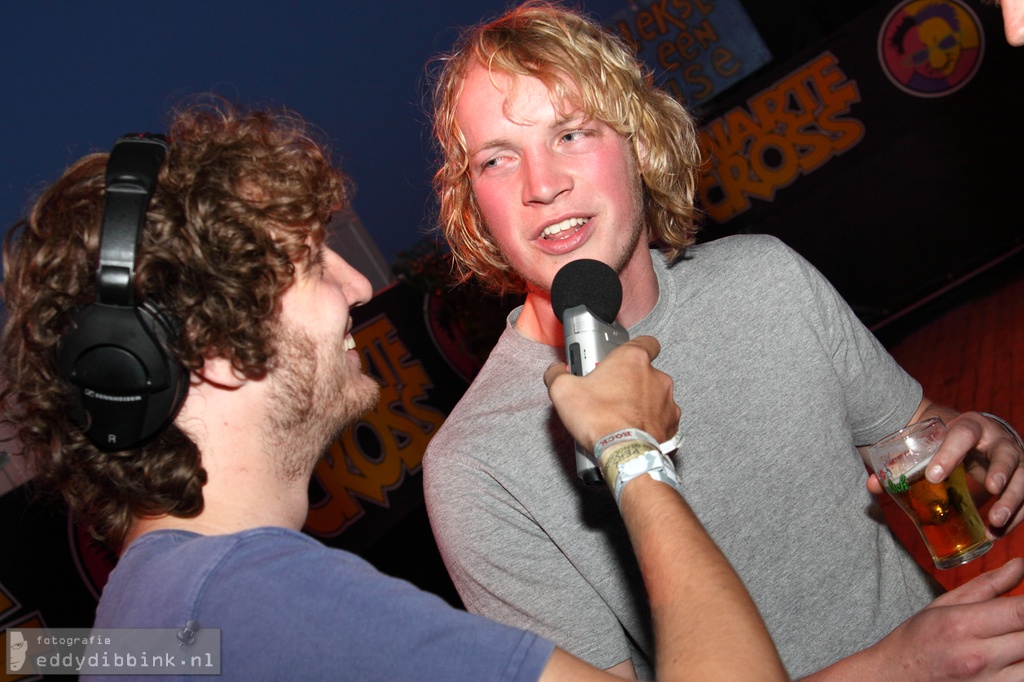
pixel 131 176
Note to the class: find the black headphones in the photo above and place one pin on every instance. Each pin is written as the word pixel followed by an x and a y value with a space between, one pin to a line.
pixel 128 386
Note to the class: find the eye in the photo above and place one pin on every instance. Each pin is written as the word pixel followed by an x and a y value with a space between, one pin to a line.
pixel 493 163
pixel 580 134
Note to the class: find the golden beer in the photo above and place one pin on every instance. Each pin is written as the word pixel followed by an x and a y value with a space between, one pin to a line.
pixel 944 514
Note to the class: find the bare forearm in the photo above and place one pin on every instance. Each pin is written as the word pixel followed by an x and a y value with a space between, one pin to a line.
pixel 973 632
pixel 859 667
pixel 706 625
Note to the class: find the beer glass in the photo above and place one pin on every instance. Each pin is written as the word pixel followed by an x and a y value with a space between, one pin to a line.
pixel 943 513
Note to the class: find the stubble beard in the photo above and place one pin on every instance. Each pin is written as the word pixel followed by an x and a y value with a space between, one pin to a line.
pixel 318 397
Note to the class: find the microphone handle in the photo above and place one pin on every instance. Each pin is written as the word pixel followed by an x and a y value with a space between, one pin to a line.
pixel 588 340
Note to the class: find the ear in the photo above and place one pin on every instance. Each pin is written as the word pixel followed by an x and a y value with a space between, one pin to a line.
pixel 221 373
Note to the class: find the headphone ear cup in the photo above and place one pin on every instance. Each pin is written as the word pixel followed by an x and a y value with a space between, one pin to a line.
pixel 128 387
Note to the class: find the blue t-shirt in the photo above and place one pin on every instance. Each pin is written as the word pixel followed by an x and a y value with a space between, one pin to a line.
pixel 290 608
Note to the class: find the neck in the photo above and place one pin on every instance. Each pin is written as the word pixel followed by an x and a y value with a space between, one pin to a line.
pixel 538 322
pixel 245 487
pixel 247 502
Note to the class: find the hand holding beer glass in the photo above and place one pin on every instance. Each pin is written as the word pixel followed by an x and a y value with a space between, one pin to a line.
pixel 944 513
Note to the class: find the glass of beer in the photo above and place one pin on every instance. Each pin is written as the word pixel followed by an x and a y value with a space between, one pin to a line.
pixel 944 513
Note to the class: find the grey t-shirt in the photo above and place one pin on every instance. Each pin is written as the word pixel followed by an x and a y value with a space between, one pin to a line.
pixel 778 382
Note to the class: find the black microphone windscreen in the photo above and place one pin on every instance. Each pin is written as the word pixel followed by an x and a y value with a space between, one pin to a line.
pixel 590 283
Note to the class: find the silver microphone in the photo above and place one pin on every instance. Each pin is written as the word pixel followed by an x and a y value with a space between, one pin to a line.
pixel 586 295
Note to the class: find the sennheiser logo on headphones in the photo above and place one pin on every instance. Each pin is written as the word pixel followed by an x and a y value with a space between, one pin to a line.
pixel 89 393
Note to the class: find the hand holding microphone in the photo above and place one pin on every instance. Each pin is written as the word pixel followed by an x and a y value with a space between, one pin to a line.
pixel 586 295
pixel 625 391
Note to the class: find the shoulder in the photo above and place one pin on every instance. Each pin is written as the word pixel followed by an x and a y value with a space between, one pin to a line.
pixel 184 546
pixel 165 575
pixel 745 265
pixel 750 249
pixel 185 562
pixel 510 386
pixel 280 597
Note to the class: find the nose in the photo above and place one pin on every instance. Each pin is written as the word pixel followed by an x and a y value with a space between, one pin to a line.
pixel 544 177
pixel 356 287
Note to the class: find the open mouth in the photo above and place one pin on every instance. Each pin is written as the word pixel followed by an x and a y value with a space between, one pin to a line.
pixel 564 228
pixel 350 343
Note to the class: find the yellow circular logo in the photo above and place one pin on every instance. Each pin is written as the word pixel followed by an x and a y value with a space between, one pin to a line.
pixel 931 48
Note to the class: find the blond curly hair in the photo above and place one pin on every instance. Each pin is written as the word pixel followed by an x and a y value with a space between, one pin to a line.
pixel 591 70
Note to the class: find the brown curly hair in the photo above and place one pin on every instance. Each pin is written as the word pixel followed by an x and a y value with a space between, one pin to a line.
pixel 243 197
pixel 594 72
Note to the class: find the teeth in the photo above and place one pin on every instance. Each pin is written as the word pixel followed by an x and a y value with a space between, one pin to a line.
pixel 568 224
pixel 350 343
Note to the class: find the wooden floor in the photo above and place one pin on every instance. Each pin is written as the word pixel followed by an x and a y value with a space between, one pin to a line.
pixel 971 357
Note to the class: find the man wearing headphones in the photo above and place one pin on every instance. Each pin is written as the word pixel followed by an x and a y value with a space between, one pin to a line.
pixel 177 355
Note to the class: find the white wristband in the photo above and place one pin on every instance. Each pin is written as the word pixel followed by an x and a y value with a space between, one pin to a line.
pixel 623 436
pixel 626 454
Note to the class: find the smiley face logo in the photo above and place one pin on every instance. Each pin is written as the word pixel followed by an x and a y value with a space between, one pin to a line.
pixel 930 48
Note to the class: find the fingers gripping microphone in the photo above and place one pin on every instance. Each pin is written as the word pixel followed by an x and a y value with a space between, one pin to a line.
pixel 586 296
